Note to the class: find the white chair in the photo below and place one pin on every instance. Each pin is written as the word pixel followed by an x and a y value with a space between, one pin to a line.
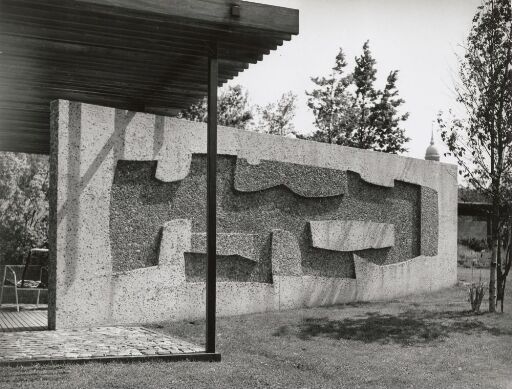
pixel 15 276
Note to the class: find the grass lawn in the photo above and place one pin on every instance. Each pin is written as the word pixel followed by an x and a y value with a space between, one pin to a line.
pixel 427 341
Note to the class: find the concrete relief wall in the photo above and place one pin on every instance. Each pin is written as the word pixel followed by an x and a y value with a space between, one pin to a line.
pixel 299 223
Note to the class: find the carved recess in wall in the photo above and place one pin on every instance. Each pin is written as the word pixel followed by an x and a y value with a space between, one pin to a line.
pixel 331 215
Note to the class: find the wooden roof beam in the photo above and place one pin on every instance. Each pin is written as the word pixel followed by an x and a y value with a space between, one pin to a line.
pixel 47 14
pixel 252 15
pixel 65 40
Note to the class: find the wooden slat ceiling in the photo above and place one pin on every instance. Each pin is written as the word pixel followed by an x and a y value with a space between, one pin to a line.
pixel 143 55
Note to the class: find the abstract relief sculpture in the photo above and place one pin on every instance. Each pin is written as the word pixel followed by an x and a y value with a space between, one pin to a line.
pixel 306 181
pixel 351 235
pixel 298 223
pixel 351 216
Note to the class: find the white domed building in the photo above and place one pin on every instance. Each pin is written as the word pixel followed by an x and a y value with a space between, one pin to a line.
pixel 432 154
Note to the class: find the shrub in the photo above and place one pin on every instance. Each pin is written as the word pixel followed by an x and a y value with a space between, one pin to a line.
pixel 474 244
pixel 476 295
pixel 23 204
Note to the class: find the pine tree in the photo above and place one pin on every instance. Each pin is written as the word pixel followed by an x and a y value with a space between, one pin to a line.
pixel 276 118
pixel 330 103
pixel 365 97
pixel 233 109
pixel 385 119
pixel 349 110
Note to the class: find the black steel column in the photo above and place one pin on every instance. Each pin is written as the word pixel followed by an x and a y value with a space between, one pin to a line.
pixel 211 187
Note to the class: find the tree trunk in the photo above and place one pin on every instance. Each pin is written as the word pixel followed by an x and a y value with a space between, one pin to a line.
pixel 502 291
pixel 500 281
pixel 508 263
pixel 494 256
pixel 492 280
pixel 499 273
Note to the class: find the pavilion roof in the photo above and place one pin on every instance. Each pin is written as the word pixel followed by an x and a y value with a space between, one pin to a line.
pixel 141 55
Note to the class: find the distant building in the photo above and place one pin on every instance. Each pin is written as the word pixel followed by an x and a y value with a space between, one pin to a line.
pixel 473 218
pixel 474 215
pixel 432 153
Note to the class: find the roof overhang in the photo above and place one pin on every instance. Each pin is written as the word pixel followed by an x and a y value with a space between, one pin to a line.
pixel 141 55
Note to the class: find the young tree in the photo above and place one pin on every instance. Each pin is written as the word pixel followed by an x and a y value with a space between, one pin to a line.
pixel 23 204
pixel 482 139
pixel 384 120
pixel 233 109
pixel 506 241
pixel 365 98
pixel 276 118
pixel 349 110
pixel 331 103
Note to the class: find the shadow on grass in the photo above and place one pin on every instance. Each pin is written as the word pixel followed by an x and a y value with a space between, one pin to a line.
pixel 412 327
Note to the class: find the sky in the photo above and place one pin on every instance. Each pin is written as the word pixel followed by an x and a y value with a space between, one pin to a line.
pixel 420 38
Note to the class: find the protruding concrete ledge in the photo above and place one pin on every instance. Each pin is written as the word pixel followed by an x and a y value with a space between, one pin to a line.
pixel 306 181
pixel 351 235
pixel 176 166
pixel 286 257
pixel 429 233
pixel 182 138
pixel 417 275
pixel 243 245
pixel 176 236
pixel 321 291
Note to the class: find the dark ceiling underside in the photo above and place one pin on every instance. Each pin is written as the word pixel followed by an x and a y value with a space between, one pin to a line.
pixel 142 55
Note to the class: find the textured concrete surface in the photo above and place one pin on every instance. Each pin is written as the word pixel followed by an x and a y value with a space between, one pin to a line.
pixel 306 181
pixel 351 235
pixel 429 231
pixel 81 164
pixel 286 257
pixel 237 257
pixel 85 343
pixel 321 291
pixel 125 181
pixel 230 268
pixel 140 204
pixel 421 274
pixel 243 245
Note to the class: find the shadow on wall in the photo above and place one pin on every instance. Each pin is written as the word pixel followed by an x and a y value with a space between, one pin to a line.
pixel 71 207
pixel 413 327
pixel 229 268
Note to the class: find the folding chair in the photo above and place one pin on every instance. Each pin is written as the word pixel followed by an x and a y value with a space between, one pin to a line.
pixel 21 277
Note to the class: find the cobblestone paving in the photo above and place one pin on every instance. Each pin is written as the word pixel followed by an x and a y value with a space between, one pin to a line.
pixel 90 343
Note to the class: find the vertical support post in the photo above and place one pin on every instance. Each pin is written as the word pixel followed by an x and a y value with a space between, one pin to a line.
pixel 211 220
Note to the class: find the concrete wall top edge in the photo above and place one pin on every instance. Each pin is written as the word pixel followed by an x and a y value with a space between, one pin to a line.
pixel 182 138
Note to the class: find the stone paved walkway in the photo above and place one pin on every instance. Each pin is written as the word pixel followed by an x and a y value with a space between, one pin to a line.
pixel 87 343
